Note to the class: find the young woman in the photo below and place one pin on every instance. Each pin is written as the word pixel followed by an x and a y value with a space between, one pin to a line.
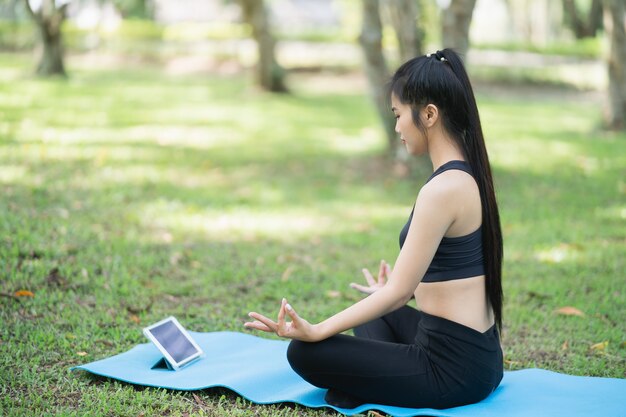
pixel 447 352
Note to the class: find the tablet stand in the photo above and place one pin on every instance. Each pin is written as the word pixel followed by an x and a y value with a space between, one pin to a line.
pixel 162 364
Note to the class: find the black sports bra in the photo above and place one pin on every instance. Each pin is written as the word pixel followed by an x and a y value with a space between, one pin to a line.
pixel 456 257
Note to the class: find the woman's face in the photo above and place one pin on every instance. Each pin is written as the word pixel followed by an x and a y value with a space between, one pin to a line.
pixel 411 136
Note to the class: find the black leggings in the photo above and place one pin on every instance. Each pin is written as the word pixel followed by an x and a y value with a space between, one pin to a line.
pixel 406 358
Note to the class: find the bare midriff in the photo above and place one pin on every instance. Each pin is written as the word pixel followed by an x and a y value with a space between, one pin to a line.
pixel 461 300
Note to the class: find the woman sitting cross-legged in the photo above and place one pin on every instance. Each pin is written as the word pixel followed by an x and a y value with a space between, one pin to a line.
pixel 445 353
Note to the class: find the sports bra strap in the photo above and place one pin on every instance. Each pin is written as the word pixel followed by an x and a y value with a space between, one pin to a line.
pixel 460 165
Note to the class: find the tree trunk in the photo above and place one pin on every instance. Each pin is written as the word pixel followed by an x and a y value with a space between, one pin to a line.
pixel 595 18
pixel 270 75
pixel 583 28
pixel 455 24
pixel 376 68
pixel 572 18
pixel 615 25
pixel 51 61
pixel 405 18
pixel 49 19
pixel 146 9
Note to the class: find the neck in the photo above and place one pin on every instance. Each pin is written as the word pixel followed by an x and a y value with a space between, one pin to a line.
pixel 442 148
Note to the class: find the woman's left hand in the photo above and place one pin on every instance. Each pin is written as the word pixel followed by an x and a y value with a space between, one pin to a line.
pixel 298 328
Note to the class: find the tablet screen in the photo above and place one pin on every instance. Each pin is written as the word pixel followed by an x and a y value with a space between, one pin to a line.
pixel 173 341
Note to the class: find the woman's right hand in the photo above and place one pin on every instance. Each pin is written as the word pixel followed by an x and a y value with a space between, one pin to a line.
pixel 383 274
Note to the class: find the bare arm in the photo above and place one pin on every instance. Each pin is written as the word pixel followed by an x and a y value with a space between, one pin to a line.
pixel 432 216
pixel 430 221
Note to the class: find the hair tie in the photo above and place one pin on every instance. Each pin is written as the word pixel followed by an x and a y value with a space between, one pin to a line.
pixel 438 55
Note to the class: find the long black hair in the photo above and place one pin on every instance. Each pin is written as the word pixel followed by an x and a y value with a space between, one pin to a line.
pixel 441 79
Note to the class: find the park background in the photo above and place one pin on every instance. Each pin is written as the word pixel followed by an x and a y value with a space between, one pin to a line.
pixel 153 167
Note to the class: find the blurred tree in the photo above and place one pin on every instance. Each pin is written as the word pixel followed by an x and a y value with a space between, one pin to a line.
pixel 376 67
pixel 139 9
pixel 405 18
pixel 537 22
pixel 270 75
pixel 49 17
pixel 587 25
pixel 615 25
pixel 455 23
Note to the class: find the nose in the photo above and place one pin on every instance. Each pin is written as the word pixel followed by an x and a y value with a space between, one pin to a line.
pixel 397 129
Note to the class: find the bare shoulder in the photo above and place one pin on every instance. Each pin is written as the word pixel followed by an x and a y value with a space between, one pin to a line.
pixel 450 186
pixel 455 197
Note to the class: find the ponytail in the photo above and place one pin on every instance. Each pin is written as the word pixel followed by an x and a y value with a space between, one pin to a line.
pixel 473 144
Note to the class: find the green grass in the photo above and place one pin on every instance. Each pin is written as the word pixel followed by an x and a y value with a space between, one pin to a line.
pixel 589 48
pixel 131 195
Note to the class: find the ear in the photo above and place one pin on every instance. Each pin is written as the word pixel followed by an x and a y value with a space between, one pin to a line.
pixel 430 115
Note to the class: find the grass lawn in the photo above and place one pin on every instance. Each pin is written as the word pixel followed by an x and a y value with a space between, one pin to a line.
pixel 131 195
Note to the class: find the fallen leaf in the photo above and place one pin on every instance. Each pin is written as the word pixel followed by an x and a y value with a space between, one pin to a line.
pixel 539 296
pixel 622 345
pixel 509 362
pixel 570 311
pixel 134 318
pixel 599 346
pixel 565 345
pixel 137 310
pixel 23 293
pixel 198 400
pixel 105 342
pixel 375 414
pixel 333 294
pixel 81 353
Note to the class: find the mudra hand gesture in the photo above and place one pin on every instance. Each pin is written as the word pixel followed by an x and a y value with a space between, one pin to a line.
pixel 298 328
pixel 383 275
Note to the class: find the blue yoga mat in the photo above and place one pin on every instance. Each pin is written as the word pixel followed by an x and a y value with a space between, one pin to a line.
pixel 257 369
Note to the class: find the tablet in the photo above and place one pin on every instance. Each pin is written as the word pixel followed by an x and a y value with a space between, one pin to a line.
pixel 176 345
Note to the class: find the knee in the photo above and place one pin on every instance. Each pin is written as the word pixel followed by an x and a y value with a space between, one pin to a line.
pixel 296 355
pixel 303 357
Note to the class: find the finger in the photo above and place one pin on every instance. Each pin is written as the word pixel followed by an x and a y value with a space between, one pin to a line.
pixel 281 313
pixel 280 330
pixel 292 313
pixel 386 275
pixel 268 322
pixel 381 272
pixel 368 277
pixel 257 325
pixel 361 288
